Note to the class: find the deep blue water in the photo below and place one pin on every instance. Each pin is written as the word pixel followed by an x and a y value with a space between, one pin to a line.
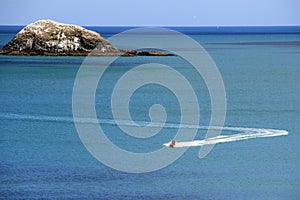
pixel 43 157
pixel 187 30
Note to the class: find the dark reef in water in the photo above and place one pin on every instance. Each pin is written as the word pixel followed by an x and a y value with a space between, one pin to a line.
pixel 50 38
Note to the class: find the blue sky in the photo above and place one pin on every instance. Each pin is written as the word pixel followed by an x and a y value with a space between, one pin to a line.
pixel 154 12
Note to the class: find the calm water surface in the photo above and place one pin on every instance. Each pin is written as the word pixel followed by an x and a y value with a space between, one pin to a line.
pixel 43 157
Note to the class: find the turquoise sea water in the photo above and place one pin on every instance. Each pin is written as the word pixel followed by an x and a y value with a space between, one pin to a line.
pixel 43 157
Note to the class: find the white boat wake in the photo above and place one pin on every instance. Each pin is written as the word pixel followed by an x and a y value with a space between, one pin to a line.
pixel 242 133
pixel 245 133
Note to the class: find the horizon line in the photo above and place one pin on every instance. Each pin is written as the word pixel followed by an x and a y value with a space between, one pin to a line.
pixel 192 26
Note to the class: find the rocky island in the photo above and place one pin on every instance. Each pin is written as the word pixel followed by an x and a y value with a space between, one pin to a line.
pixel 50 38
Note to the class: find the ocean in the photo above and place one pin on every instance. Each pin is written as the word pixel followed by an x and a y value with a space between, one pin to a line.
pixel 255 157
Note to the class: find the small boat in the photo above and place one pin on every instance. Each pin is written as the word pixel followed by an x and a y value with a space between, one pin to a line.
pixel 172 143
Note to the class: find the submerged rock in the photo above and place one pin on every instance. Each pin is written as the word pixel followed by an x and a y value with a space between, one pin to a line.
pixel 154 53
pixel 50 38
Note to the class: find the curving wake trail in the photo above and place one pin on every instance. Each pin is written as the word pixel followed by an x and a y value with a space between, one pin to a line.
pixel 243 133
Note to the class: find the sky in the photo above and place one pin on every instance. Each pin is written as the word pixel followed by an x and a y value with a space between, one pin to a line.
pixel 154 12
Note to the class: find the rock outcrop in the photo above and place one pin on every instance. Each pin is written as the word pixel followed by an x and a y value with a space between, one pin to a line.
pixel 50 38
pixel 47 37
